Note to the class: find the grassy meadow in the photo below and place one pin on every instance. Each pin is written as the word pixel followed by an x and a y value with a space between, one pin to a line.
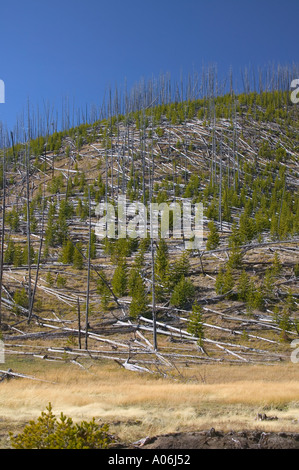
pixel 227 397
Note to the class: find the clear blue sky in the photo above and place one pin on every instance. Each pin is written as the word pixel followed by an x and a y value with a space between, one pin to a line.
pixel 77 48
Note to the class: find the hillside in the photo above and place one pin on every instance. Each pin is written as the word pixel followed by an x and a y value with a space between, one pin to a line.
pixel 235 300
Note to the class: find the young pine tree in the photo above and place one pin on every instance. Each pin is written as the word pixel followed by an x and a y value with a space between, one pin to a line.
pixel 120 279
pixel 67 254
pixel 103 291
pixel 235 255
pixel 78 257
pixel 180 268
pixel 243 287
pixel 139 303
pixel 213 237
pixel 183 293
pixel 224 282
pixel 195 324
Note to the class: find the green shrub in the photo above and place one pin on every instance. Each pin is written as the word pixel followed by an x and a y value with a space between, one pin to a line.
pixel 48 432
pixel 183 294
pixel 195 324
pixel 61 281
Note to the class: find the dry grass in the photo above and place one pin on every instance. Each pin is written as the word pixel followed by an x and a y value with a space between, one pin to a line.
pixel 136 406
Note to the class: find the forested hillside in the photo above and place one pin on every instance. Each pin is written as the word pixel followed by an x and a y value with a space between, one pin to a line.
pixel 153 304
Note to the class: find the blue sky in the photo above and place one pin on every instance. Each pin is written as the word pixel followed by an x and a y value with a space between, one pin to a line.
pixel 54 49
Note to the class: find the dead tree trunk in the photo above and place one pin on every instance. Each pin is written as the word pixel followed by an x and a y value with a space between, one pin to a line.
pixel 27 160
pixel 2 235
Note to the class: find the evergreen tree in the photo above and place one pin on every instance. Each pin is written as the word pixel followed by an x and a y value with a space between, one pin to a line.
pixel 220 282
pixel 228 282
pixel 49 279
pixel 255 298
pixel 213 237
pixel 25 254
pixel 67 254
pixel 195 324
pixel 18 257
pixel 244 287
pixel 93 249
pixel 78 257
pixel 13 220
pixel 21 300
pixel 183 293
pixel 180 268
pixel 103 291
pixel 247 228
pixel 235 241
pixel 9 253
pixel 268 285
pixel 162 261
pixel 224 282
pixel 120 279
pixel 139 303
pixel 60 281
pixel 276 265
pixel 51 229
pixel 132 279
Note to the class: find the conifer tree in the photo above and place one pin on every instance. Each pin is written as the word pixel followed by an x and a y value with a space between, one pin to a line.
pixel 235 255
pixel 213 237
pixel 224 282
pixel 139 303
pixel 51 230
pixel 93 249
pixel 195 324
pixel 67 255
pixel 78 257
pixel 18 256
pixel 103 291
pixel 13 220
pixel 255 298
pixel 243 286
pixel 183 293
pixel 228 282
pixel 276 265
pixel 120 279
pixel 49 279
pixel 219 282
pixel 162 261
pixel 180 268
pixel 9 252
pixel 25 254
pixel 268 285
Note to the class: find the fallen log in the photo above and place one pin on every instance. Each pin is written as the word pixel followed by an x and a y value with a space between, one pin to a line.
pixel 10 373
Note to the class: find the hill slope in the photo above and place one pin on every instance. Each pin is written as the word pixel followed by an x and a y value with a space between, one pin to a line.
pixel 234 300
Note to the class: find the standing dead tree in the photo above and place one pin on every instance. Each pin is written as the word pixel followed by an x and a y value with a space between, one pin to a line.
pixel 2 230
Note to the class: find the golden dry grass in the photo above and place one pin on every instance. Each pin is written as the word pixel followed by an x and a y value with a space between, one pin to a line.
pixel 137 405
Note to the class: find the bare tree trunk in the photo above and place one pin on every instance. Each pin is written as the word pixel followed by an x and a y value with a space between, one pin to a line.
pixel 31 303
pixel 220 188
pixel 27 158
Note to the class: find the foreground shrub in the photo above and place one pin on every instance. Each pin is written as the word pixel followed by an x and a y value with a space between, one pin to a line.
pixel 48 432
